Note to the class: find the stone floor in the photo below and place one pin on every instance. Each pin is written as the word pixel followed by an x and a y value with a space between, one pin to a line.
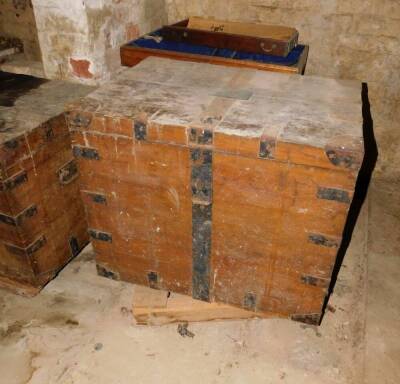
pixel 80 329
pixel 382 363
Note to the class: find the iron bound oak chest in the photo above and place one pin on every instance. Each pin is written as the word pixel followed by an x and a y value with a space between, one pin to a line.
pixel 42 219
pixel 227 184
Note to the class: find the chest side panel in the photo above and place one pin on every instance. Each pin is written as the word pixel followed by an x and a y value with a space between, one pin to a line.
pixel 42 223
pixel 276 231
pixel 138 202
pixel 15 265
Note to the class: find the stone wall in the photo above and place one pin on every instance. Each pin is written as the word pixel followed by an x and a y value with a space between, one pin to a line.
pixel 18 21
pixel 80 39
pixel 350 39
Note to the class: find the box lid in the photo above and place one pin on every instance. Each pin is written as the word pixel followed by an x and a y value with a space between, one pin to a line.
pixel 278 32
pixel 27 105
pixel 25 109
pixel 300 119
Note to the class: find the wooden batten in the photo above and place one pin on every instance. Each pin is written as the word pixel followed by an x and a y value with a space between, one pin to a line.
pixel 155 307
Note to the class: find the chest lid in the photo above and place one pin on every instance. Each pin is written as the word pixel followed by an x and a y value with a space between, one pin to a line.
pixel 298 119
pixel 31 114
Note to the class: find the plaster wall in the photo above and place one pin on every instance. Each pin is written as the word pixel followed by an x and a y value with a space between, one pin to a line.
pixel 80 39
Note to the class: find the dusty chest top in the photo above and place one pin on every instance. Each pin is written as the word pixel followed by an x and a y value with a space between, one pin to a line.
pixel 235 104
pixel 26 102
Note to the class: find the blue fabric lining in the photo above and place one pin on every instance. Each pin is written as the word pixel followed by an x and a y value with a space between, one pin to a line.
pixel 291 59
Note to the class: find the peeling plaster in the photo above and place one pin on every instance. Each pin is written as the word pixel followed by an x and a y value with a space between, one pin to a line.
pixel 80 68
pixel 93 30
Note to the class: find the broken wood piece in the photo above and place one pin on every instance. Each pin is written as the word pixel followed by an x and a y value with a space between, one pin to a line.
pixel 156 307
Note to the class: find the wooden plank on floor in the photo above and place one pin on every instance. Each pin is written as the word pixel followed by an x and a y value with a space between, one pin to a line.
pixel 156 307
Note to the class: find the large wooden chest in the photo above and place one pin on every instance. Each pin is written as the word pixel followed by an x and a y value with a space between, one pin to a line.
pixel 227 184
pixel 42 219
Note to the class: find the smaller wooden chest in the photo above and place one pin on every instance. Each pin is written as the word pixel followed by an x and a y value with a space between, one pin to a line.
pixel 171 41
pixel 42 221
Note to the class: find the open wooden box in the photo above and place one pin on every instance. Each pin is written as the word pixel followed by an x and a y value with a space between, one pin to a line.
pixel 159 43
